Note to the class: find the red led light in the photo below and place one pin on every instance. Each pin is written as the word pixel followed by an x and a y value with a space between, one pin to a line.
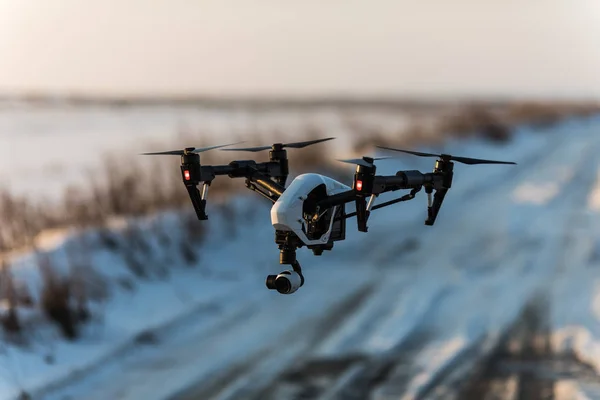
pixel 359 185
pixel 186 174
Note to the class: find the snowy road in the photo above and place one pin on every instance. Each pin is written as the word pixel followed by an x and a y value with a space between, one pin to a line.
pixel 501 299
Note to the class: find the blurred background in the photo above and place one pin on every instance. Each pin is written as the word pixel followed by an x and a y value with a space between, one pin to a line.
pixel 112 289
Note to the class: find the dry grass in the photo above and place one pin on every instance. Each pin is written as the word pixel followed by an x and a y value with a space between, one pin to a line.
pixel 57 297
pixel 8 294
pixel 544 114
pixel 133 186
pixel 477 120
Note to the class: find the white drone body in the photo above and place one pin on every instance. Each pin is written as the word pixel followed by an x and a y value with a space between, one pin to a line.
pixel 311 210
pixel 288 212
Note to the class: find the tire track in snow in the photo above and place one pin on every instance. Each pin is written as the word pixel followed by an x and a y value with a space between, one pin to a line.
pixel 292 346
pixel 341 378
pixel 350 375
pixel 523 365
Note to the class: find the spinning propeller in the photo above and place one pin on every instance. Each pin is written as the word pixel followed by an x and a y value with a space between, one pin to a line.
pixel 279 146
pixel 448 157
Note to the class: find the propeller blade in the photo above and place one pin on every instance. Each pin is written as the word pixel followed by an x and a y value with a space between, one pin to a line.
pixel 357 161
pixel 464 160
pixel 296 145
pixel 382 158
pixel 299 145
pixel 363 162
pixel 253 149
pixel 473 161
pixel 189 150
pixel 203 149
pixel 173 152
pixel 416 153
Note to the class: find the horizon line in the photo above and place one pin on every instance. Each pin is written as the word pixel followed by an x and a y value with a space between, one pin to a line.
pixel 282 98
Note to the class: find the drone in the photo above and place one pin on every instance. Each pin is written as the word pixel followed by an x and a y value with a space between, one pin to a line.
pixel 311 210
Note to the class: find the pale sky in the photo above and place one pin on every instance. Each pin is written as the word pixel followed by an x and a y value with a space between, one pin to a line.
pixel 302 47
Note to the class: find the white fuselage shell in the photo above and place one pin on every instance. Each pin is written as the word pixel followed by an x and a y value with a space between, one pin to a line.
pixel 286 213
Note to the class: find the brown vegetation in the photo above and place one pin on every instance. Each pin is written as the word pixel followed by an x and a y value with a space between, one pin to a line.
pixel 57 297
pixel 8 293
pixel 132 187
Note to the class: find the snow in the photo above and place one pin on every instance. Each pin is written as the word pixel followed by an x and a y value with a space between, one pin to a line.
pixel 150 305
pixel 64 143
pixel 506 235
pixel 594 197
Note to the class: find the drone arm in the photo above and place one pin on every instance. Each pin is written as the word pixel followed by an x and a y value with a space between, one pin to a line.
pixel 255 180
pixel 265 183
pixel 209 172
pixel 250 185
pixel 337 199
pixel 406 197
pixel 244 168
pixel 250 170
pixel 402 180
pixel 278 170
pixel 264 186
pixel 415 181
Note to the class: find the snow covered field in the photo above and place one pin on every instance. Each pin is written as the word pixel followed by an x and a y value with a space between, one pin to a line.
pixel 501 297
pixel 63 143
